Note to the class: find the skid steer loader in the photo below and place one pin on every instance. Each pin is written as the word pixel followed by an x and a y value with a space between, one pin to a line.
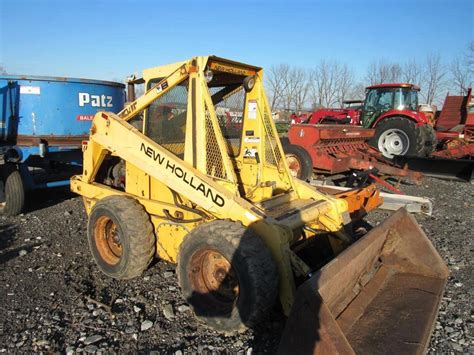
pixel 171 176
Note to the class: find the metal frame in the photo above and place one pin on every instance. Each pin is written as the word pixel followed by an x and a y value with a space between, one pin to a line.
pixel 151 167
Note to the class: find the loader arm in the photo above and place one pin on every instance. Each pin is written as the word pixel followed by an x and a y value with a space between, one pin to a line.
pixel 159 89
pixel 159 163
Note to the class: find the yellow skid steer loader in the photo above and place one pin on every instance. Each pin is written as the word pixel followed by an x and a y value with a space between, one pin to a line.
pixel 193 172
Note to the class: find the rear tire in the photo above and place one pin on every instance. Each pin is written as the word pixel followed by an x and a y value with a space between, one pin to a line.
pixel 121 237
pixel 299 161
pixel 430 141
pixel 398 136
pixel 13 192
pixel 227 275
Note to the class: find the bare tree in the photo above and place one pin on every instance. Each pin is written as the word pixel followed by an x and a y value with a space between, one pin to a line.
pixel 462 70
pixel 331 84
pixel 324 84
pixel 434 78
pixel 345 83
pixel 470 57
pixel 297 86
pixel 383 72
pixel 412 72
pixel 395 72
pixel 277 81
pixel 358 91
pixel 461 76
pixel 323 88
pixel 373 74
pixel 287 95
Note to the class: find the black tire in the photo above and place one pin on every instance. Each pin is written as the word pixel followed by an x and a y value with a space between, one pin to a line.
pixel 13 191
pixel 430 141
pixel 239 257
pixel 299 161
pixel 284 141
pixel 411 142
pixel 121 237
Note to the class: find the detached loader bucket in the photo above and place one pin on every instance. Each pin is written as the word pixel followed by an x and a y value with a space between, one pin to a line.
pixel 379 296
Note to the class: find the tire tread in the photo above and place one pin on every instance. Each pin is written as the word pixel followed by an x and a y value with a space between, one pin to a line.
pixel 250 248
pixel 14 192
pixel 134 218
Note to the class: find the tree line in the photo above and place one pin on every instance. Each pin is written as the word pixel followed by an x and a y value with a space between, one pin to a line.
pixel 331 82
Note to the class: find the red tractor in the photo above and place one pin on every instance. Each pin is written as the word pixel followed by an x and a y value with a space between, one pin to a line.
pixel 392 110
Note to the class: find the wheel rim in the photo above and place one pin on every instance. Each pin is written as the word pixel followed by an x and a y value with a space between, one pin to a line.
pixel 393 142
pixel 107 240
pixel 294 165
pixel 214 281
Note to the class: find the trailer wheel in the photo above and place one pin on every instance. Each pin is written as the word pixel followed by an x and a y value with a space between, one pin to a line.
pixel 227 275
pixel 398 136
pixel 299 161
pixel 121 237
pixel 12 191
pixel 430 141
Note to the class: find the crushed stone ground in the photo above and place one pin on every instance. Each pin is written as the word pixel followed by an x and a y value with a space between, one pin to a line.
pixel 53 297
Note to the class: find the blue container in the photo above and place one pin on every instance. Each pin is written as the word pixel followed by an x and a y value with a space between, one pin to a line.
pixel 42 107
pixel 43 121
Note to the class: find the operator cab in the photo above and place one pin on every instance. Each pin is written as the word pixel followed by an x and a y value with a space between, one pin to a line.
pixel 385 97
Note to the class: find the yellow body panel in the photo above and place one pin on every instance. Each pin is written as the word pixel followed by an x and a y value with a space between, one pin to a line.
pixel 251 185
pixel 167 247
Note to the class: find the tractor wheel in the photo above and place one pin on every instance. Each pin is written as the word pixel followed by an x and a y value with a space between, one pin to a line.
pixel 227 275
pixel 12 191
pixel 120 237
pixel 398 136
pixel 430 140
pixel 284 141
pixel 299 161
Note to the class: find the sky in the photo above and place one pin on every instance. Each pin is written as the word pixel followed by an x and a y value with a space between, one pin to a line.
pixel 109 40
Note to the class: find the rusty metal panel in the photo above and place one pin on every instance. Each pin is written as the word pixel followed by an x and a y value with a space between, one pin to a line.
pixel 381 295
pixel 53 140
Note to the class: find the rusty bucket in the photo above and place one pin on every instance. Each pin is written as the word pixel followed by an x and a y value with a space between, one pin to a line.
pixel 379 296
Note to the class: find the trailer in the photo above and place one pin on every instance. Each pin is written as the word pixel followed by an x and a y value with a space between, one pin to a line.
pixel 43 121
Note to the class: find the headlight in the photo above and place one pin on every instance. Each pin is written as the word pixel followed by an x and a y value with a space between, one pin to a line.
pixel 249 83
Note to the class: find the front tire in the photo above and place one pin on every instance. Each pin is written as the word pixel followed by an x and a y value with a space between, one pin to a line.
pixel 121 237
pixel 299 161
pixel 227 275
pixel 12 194
pixel 398 136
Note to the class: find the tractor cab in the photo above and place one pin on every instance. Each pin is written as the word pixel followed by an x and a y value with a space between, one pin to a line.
pixel 387 97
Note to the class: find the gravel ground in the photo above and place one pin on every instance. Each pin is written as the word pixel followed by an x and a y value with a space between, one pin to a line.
pixel 54 298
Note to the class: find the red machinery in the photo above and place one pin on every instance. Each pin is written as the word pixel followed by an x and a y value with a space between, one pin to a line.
pixel 455 127
pixel 334 149
pixel 455 134
pixel 392 110
pixel 454 124
pixel 349 114
pixel 299 118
